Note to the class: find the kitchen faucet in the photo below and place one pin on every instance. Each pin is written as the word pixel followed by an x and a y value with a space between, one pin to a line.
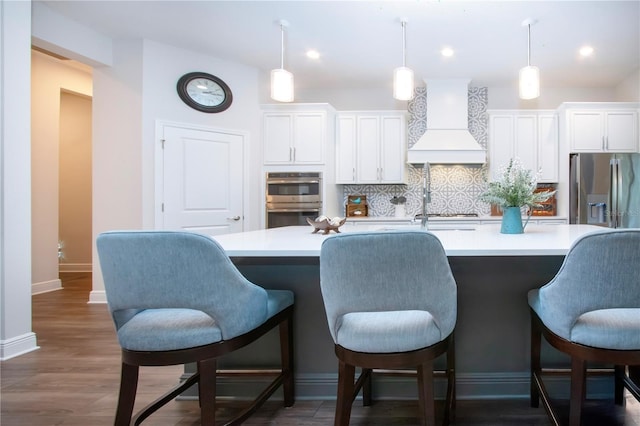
pixel 426 194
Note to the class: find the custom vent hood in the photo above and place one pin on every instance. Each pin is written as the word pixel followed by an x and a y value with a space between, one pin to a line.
pixel 447 139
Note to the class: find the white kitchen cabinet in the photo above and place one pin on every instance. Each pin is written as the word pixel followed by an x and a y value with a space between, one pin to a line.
pixel 529 135
pixel 294 136
pixel 599 126
pixel 548 147
pixel 371 147
pixel 603 130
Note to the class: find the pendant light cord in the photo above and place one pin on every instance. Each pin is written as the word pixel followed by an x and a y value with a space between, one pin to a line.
pixel 281 46
pixel 404 44
pixel 529 46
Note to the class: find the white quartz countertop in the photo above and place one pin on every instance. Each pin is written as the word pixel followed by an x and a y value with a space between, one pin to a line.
pixel 476 240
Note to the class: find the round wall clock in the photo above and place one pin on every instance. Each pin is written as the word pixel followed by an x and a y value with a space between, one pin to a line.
pixel 204 92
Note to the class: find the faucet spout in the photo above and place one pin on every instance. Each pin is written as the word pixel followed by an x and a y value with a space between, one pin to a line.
pixel 426 194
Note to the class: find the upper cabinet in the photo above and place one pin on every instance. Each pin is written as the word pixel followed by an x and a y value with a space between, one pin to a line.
pixel 529 135
pixel 371 147
pixel 601 127
pixel 294 134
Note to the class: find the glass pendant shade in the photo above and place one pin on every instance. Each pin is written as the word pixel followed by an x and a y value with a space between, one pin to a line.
pixel 529 82
pixel 403 83
pixel 281 85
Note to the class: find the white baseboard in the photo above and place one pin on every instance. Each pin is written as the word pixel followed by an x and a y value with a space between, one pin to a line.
pixel 16 346
pixel 46 286
pixel 75 267
pixel 97 296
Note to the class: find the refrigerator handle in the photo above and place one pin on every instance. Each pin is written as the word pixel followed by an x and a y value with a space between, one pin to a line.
pixel 614 178
pixel 574 189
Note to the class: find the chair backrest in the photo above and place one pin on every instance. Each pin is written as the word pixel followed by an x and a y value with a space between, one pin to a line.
pixel 600 271
pixel 387 271
pixel 164 269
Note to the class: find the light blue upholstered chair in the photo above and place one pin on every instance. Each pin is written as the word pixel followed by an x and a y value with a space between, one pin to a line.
pixel 591 311
pixel 391 303
pixel 176 298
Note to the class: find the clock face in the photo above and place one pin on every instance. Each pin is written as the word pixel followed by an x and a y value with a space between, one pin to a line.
pixel 204 92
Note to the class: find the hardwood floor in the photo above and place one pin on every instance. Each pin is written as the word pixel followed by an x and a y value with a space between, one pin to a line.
pixel 73 380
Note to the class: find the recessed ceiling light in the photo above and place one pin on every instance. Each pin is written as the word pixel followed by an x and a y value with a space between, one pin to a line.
pixel 586 51
pixel 313 54
pixel 447 52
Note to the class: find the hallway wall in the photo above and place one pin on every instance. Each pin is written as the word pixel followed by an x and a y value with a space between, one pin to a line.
pixel 49 77
pixel 74 224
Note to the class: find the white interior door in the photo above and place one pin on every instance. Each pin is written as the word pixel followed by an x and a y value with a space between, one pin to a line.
pixel 202 180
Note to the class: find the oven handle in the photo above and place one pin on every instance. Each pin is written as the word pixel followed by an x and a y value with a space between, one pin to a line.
pixel 285 181
pixel 316 210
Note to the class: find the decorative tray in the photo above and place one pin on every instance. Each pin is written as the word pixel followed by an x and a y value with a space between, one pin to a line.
pixel 326 224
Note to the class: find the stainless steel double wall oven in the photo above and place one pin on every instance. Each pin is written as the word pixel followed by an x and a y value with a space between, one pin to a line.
pixel 292 197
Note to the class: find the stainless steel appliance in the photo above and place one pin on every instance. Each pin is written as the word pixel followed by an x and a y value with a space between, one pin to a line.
pixel 605 189
pixel 291 197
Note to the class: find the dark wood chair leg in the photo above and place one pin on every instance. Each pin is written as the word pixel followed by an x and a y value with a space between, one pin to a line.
pixel 127 397
pixel 207 391
pixel 286 354
pixel 346 375
pixel 634 374
pixel 536 368
pixel 450 401
pixel 426 401
pixel 367 386
pixel 620 372
pixel 578 390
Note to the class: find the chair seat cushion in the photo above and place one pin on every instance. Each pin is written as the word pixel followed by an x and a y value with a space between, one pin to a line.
pixel 168 329
pixel 617 328
pixel 387 332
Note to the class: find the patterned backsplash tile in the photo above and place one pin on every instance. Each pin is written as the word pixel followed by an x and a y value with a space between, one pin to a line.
pixel 454 188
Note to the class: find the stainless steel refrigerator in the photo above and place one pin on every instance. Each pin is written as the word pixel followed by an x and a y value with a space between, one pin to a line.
pixel 605 190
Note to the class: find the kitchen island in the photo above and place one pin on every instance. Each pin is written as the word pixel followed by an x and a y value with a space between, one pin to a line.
pixel 493 272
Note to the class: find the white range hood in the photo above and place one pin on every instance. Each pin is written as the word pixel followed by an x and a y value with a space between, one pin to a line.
pixel 447 139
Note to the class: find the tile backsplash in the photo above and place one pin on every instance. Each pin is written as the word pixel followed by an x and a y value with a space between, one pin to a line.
pixel 454 188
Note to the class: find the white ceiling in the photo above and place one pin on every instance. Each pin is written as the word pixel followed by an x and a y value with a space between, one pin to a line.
pixel 360 42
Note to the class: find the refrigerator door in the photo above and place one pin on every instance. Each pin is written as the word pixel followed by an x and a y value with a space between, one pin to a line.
pixel 626 191
pixel 590 189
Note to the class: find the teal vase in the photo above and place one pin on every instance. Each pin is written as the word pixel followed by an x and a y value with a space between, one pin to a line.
pixel 512 221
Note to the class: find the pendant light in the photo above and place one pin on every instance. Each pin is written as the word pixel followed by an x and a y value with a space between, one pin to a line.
pixel 403 76
pixel 281 79
pixel 529 75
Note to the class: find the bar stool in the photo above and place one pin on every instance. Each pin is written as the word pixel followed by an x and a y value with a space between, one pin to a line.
pixel 176 298
pixel 591 311
pixel 390 301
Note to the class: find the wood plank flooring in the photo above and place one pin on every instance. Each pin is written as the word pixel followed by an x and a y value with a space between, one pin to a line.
pixel 73 380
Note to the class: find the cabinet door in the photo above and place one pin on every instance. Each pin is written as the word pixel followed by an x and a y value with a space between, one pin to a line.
pixel 368 167
pixel 622 131
pixel 346 149
pixel 392 149
pixel 586 129
pixel 548 148
pixel 278 138
pixel 526 141
pixel 500 143
pixel 308 138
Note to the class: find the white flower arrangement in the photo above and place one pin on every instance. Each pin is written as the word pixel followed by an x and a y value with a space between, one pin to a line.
pixel 516 188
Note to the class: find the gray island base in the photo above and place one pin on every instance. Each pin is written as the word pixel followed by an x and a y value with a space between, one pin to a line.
pixel 493 273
